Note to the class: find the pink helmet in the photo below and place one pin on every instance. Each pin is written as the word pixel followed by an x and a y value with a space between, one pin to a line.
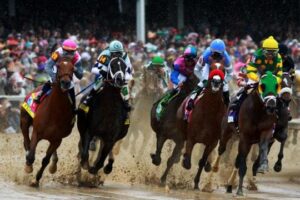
pixel 69 45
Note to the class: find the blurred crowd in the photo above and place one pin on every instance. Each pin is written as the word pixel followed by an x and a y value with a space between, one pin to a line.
pixel 23 56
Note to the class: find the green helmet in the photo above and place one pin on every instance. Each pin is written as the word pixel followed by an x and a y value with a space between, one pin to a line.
pixel 116 46
pixel 157 60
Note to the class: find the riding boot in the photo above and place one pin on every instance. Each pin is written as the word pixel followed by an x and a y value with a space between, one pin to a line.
pixel 235 106
pixel 45 89
pixel 226 98
pixel 194 95
pixel 73 99
pixel 89 97
pixel 127 105
pixel 167 97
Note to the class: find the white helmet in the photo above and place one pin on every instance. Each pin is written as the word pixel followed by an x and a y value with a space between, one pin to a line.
pixel 116 46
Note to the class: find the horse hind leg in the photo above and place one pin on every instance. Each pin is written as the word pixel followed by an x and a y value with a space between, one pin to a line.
pixel 25 123
pixel 244 149
pixel 30 154
pixel 174 158
pixel 107 148
pixel 201 164
pixel 53 166
pixel 51 149
pixel 156 159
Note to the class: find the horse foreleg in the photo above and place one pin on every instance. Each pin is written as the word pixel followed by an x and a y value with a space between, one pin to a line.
pixel 107 148
pixel 53 166
pixel 156 159
pixel 111 157
pixel 201 164
pixel 51 149
pixel 85 141
pixel 278 165
pixel 244 149
pixel 30 155
pixel 186 163
pixel 263 151
pixel 174 158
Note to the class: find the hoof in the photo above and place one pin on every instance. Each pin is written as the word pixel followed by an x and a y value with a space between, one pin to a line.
pixel 52 169
pixel 277 167
pixel 239 192
pixel 162 182
pixel 186 163
pixel 85 165
pixel 108 168
pixel 196 187
pixel 263 168
pixel 229 189
pixel 252 186
pixel 156 160
pixel 208 188
pixel 34 183
pixel 28 169
pixel 207 167
pixel 93 170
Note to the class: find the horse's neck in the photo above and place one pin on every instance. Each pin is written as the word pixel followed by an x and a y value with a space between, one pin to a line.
pixel 58 96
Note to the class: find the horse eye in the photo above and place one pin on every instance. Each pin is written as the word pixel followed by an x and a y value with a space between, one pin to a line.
pixel 263 87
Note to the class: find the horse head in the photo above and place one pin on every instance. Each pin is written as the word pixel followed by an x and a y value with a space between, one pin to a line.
pixel 216 76
pixel 65 70
pixel 116 71
pixel 285 93
pixel 268 89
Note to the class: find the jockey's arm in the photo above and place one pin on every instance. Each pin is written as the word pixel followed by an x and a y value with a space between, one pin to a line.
pixel 174 77
pixel 279 71
pixel 78 70
pixel 228 73
pixel 49 68
pixel 251 70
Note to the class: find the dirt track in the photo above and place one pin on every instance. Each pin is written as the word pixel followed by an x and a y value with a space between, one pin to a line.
pixel 134 176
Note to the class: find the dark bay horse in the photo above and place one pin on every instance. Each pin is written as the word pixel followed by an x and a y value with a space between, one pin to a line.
pixel 106 118
pixel 257 119
pixel 53 120
pixel 204 124
pixel 281 128
pixel 166 127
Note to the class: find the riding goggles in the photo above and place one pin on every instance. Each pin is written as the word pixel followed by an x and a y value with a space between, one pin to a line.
pixel 268 52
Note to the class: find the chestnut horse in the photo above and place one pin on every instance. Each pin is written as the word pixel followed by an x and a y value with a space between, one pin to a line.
pixel 257 119
pixel 204 124
pixel 53 120
pixel 166 127
pixel 106 118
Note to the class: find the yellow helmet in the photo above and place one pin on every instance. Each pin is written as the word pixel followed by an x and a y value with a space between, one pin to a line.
pixel 270 43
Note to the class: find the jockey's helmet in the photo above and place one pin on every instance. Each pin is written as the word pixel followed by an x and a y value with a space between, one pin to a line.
pixel 270 46
pixel 116 46
pixel 190 52
pixel 157 60
pixel 69 45
pixel 217 45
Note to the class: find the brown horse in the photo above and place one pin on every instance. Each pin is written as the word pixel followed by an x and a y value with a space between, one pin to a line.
pixel 205 122
pixel 256 121
pixel 166 127
pixel 53 121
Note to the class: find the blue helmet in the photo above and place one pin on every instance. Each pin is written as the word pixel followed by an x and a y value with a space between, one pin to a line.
pixel 217 45
pixel 190 51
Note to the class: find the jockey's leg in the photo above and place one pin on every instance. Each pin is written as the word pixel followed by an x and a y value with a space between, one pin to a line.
pixel 46 87
pixel 73 99
pixel 125 95
pixel 235 105
pixel 226 94
pixel 194 95
pixel 168 96
pixel 98 84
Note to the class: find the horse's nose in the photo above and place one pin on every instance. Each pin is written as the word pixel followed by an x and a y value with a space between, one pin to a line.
pixel 65 84
pixel 270 103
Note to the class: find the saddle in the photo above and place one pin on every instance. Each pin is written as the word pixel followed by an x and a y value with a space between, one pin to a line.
pixel 164 101
pixel 30 105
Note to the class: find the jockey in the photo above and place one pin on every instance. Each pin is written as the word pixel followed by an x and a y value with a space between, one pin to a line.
pixel 264 59
pixel 159 66
pixel 288 63
pixel 216 51
pixel 68 49
pixel 183 67
pixel 115 49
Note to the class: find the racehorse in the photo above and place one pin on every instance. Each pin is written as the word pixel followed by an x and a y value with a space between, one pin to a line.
pixel 204 123
pixel 256 122
pixel 166 127
pixel 106 119
pixel 53 121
